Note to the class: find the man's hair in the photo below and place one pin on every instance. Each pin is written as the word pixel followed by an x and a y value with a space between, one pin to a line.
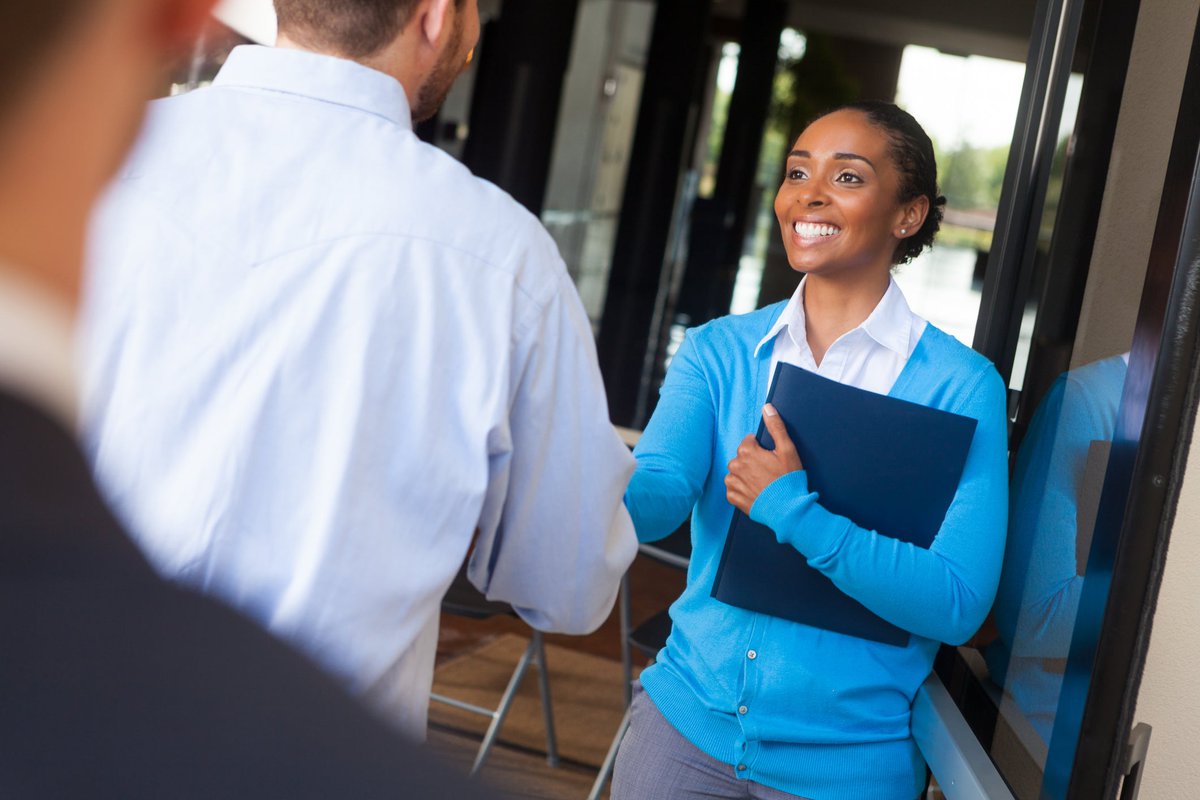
pixel 28 30
pixel 351 28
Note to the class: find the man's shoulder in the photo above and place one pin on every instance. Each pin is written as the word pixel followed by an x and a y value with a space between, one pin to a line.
pixel 353 177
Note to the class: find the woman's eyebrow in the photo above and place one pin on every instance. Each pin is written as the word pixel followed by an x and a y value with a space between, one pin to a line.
pixel 836 157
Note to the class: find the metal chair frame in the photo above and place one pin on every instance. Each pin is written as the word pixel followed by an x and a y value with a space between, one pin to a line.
pixel 535 653
pixel 610 758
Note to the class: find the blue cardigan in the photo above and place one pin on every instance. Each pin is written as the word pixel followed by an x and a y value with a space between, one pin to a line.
pixel 807 711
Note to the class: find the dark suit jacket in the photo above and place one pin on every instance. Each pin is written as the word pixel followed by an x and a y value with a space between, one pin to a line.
pixel 116 684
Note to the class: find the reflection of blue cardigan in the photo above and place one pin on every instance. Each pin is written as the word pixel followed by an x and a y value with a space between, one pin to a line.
pixel 1039 590
pixel 807 711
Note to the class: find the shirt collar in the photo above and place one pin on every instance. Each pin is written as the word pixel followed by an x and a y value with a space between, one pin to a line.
pixel 320 77
pixel 36 347
pixel 890 324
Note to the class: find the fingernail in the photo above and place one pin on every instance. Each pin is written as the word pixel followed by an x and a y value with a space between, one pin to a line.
pixel 770 411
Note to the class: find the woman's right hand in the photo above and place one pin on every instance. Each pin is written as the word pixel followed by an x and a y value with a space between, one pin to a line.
pixel 756 468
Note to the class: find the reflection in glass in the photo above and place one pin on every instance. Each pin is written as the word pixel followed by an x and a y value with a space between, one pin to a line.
pixel 1055 491
pixel 601 94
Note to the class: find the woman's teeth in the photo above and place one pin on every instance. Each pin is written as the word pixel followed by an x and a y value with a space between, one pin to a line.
pixel 810 230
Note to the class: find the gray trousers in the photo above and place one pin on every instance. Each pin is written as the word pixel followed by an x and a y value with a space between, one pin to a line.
pixel 656 762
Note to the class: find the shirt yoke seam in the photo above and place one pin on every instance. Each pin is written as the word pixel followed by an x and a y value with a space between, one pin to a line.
pixel 246 87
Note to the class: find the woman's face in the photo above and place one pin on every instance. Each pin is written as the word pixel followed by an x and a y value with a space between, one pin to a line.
pixel 838 207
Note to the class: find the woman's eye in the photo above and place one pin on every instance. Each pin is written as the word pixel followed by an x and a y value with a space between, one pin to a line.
pixel 848 177
pixel 795 173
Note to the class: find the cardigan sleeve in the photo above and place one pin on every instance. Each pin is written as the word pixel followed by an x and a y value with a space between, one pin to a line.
pixel 943 592
pixel 675 452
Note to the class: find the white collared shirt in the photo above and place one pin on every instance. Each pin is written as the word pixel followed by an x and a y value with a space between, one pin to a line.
pixel 871 356
pixel 37 359
pixel 320 354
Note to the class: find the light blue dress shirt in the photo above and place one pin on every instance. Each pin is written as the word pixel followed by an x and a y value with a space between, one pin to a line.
pixel 319 354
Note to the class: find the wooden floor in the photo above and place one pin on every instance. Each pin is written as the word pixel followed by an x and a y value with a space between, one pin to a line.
pixel 518 773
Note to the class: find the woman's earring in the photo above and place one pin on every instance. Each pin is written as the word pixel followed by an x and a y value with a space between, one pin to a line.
pixel 904 231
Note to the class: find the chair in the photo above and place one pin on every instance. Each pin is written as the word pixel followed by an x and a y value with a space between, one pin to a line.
pixel 464 600
pixel 647 638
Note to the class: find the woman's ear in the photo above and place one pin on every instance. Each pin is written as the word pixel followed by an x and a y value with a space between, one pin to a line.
pixel 913 216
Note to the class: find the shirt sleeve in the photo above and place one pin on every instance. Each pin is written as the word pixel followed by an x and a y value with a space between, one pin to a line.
pixel 675 452
pixel 943 592
pixel 555 538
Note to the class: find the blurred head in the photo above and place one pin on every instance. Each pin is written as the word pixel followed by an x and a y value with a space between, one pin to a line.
pixel 425 44
pixel 860 190
pixel 74 79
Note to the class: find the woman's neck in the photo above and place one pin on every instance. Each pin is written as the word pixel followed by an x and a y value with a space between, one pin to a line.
pixel 834 305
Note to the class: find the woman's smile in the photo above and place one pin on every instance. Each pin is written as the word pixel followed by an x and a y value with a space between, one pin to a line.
pixel 838 205
pixel 815 232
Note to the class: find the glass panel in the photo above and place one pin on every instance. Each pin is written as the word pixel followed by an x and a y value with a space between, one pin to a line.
pixel 1060 454
pixel 763 231
pixel 594 139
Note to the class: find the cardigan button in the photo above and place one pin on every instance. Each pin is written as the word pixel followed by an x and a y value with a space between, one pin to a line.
pixel 742 709
pixel 741 767
pixel 753 654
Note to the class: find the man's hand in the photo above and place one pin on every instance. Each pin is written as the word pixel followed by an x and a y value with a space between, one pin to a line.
pixel 755 468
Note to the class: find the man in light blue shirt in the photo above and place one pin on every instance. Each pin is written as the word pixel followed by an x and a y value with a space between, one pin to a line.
pixel 321 357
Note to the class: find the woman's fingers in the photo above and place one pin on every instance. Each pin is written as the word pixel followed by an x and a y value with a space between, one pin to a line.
pixel 784 449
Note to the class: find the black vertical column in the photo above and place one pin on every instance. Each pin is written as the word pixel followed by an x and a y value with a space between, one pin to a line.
pixel 675 63
pixel 514 109
pixel 712 269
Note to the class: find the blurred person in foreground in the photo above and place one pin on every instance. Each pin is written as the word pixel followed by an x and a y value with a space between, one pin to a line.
pixel 112 682
pixel 321 355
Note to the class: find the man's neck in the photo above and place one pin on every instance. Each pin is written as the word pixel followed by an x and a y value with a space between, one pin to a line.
pixel 391 60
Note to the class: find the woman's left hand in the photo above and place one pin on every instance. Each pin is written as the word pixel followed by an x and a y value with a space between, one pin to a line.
pixel 755 468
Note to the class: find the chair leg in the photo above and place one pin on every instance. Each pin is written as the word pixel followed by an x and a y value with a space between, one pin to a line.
pixel 610 759
pixel 626 626
pixel 547 711
pixel 498 715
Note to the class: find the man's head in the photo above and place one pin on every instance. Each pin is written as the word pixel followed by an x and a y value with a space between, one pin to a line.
pixel 422 43
pixel 74 79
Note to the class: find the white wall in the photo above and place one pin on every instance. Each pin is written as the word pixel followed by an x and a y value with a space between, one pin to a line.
pixel 1169 699
pixel 254 19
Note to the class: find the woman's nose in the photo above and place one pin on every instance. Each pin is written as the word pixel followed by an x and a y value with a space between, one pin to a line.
pixel 812 196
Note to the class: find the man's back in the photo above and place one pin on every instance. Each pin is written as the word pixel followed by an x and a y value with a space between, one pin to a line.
pixel 320 355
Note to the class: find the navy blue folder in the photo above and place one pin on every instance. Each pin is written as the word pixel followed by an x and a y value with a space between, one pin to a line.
pixel 888 465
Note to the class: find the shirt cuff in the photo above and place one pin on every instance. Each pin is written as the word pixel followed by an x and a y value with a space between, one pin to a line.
pixel 789 509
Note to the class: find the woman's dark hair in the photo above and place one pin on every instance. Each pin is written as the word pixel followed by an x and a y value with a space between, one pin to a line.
pixel 912 154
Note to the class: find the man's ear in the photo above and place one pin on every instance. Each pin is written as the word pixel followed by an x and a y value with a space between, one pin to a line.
pixel 178 23
pixel 433 16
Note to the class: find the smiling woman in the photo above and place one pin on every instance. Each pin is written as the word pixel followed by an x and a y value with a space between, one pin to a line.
pixel 741 696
